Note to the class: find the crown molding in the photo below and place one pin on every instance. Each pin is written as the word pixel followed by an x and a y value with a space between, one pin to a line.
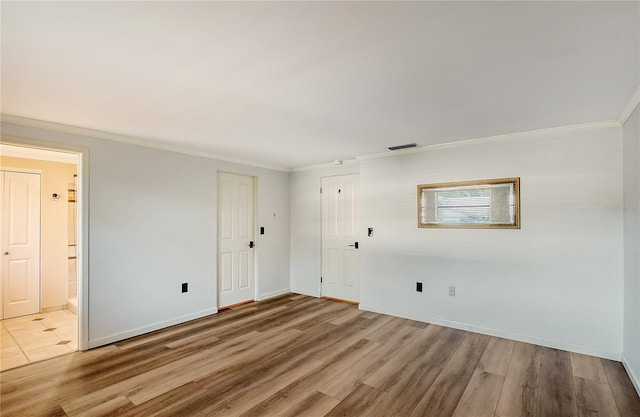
pixel 345 163
pixel 634 100
pixel 400 151
pixel 499 138
pixel 59 127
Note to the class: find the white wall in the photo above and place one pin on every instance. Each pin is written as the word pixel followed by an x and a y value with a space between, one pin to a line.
pixel 631 349
pixel 556 282
pixel 152 225
pixel 305 225
pixel 272 249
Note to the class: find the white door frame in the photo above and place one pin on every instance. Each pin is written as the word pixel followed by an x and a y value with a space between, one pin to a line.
pixel 82 222
pixel 255 234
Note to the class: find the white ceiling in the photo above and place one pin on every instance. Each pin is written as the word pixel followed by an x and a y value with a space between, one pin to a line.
pixel 299 83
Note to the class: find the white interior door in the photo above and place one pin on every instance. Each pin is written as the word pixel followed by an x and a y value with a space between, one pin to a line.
pixel 20 242
pixel 235 239
pixel 340 223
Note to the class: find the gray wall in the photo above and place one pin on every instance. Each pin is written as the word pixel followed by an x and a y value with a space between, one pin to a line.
pixel 152 224
pixel 631 350
pixel 556 282
pixel 559 281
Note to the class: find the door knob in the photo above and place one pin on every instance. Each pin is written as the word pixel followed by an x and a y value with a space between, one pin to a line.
pixel 355 245
pixel 6 253
pixel 251 244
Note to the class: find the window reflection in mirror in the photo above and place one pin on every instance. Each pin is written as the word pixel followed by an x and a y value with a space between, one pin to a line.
pixel 470 204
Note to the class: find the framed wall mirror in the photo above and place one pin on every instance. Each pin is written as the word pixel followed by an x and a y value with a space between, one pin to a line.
pixel 488 204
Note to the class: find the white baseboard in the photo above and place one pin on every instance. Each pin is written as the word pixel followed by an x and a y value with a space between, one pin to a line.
pixel 634 377
pixel 500 333
pixel 310 294
pixel 273 294
pixel 101 341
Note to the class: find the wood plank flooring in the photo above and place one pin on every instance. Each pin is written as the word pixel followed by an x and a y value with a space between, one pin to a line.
pixel 300 356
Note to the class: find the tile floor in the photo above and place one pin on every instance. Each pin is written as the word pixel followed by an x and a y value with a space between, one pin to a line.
pixel 37 337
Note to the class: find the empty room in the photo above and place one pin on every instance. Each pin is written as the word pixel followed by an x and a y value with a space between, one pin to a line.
pixel 375 209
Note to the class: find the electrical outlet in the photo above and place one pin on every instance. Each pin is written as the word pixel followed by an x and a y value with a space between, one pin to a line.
pixel 419 286
pixel 185 287
pixel 452 291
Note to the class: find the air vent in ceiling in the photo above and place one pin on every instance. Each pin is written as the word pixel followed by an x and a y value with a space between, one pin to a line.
pixel 397 147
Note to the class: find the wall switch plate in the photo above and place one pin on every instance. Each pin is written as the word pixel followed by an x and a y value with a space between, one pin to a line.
pixel 262 230
pixel 370 231
pixel 185 287
pixel 419 286
pixel 452 291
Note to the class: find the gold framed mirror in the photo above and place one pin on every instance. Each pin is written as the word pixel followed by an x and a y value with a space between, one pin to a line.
pixel 483 204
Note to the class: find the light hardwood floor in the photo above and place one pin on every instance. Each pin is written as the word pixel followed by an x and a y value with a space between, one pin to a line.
pixel 301 356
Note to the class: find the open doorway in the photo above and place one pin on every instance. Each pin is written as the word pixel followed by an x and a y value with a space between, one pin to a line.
pixel 40 286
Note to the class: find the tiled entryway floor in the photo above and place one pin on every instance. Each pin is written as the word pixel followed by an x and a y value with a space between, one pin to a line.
pixel 37 337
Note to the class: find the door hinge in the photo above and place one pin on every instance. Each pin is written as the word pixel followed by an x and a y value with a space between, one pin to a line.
pixel 320 190
pixel 320 280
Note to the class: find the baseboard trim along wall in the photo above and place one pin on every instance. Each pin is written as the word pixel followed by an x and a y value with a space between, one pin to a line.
pixel 273 294
pixel 302 292
pixel 53 308
pixel 635 379
pixel 570 347
pixel 93 343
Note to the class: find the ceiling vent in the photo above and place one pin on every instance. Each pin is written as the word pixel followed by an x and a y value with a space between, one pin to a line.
pixel 398 147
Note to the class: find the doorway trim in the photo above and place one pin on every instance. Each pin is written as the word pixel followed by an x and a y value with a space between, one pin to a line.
pixel 82 212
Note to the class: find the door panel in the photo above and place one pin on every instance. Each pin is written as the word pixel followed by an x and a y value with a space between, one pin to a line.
pixel 236 231
pixel 226 271
pixel 330 272
pixel 224 210
pixel 18 277
pixel 340 222
pixel 20 244
pixel 244 223
pixel 243 263
pixel 349 267
pixel 348 210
